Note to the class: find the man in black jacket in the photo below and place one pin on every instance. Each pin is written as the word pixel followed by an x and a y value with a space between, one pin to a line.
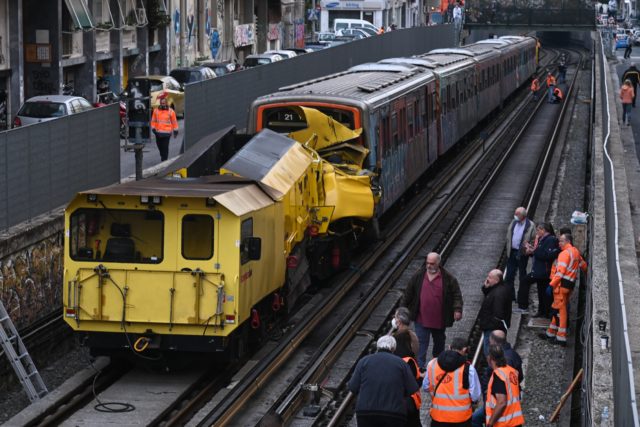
pixel 434 301
pixel 382 382
pixel 495 311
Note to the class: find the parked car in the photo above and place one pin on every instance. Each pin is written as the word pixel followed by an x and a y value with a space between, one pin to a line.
pixel 159 85
pixel 48 107
pixel 186 75
pixel 283 53
pixel 325 37
pixel 343 23
pixel 220 68
pixel 356 33
pixel 301 51
pixel 255 60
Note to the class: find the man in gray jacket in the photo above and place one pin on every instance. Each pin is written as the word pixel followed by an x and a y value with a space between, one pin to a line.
pixel 382 382
pixel 521 230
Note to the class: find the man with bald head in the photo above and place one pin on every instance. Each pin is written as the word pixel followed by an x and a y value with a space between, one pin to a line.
pixel 495 311
pixel 434 301
pixel 521 231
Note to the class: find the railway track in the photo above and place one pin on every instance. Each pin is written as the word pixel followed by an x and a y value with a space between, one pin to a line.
pixel 176 413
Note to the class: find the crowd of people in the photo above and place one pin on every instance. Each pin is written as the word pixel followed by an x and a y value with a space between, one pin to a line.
pixel 388 382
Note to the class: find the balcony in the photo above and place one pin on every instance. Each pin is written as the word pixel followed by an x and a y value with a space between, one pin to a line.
pixel 129 39
pixel 103 42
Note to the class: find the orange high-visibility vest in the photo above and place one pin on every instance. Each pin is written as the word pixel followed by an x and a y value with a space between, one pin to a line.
pixel 164 121
pixel 535 85
pixel 566 265
pixel 557 92
pixel 450 402
pixel 417 397
pixel 512 415
pixel 551 81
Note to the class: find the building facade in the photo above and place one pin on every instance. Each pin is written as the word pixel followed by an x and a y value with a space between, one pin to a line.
pixel 381 13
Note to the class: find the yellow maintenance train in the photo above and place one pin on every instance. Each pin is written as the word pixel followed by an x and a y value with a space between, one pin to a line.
pixel 193 262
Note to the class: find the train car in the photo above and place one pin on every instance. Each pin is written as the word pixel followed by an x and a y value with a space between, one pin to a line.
pixel 389 103
pixel 197 263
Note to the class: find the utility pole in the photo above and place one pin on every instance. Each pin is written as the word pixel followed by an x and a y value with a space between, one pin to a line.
pixel 183 33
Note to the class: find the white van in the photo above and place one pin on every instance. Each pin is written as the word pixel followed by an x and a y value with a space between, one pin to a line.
pixel 343 24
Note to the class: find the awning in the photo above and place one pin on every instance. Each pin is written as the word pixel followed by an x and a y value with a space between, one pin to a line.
pixel 80 14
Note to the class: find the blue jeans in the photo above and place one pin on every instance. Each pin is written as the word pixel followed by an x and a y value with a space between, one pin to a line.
pixel 485 342
pixel 550 93
pixel 424 336
pixel 626 110
pixel 516 262
pixel 479 417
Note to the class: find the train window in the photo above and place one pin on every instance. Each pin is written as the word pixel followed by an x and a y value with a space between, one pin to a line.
pixel 429 111
pixel 402 128
pixel 246 231
pixel 394 130
pixel 116 235
pixel 286 120
pixel 416 112
pixel 197 237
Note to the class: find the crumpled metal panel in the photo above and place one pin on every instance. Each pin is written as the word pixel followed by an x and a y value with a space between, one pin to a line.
pixel 271 159
pixel 322 131
pixel 244 200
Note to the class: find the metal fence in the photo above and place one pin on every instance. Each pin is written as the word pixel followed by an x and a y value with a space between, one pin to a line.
pixel 43 165
pixel 214 104
pixel 583 18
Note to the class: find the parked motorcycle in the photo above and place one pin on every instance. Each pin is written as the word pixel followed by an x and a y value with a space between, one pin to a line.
pixel 106 97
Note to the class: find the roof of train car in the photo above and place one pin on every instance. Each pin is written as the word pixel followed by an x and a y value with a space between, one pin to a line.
pixel 239 195
pixel 362 83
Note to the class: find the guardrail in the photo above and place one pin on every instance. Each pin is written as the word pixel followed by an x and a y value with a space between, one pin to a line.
pixel 530 17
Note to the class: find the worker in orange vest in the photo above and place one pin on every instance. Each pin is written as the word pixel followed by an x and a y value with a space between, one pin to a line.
pixel 503 407
pixel 413 414
pixel 557 95
pixel 535 87
pixel 564 273
pixel 453 384
pixel 163 123
pixel 551 84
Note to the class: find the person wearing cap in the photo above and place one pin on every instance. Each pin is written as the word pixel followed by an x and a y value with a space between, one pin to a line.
pixel 383 382
pixel 163 123
pixel 633 75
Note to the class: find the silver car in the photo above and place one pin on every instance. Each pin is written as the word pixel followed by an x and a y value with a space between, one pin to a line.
pixel 48 107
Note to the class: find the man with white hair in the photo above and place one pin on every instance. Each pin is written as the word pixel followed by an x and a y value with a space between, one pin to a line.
pixel 521 231
pixel 382 382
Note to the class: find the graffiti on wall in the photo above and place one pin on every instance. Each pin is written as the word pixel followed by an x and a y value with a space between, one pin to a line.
pixel 274 32
pixel 244 35
pixel 41 82
pixel 31 281
pixel 299 35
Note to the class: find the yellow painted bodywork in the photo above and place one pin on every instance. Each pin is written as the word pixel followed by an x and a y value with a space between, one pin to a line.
pixel 162 297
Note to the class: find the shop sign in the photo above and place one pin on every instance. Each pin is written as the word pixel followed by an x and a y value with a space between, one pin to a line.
pixel 38 52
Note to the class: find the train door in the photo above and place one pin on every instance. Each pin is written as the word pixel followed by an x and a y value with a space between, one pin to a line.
pixel 432 122
pixel 196 279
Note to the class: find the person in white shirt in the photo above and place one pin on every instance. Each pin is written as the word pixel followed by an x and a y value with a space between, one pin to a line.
pixel 521 230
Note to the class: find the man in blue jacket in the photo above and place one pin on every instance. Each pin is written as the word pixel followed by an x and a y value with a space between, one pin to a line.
pixel 543 252
pixel 382 381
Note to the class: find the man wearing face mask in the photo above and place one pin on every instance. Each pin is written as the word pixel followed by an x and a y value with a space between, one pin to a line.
pixel 163 123
pixel 563 279
pixel 434 301
pixel 521 231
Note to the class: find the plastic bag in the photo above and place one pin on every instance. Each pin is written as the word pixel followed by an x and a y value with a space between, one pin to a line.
pixel 578 217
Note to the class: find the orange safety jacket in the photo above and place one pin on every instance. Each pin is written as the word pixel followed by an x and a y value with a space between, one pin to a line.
pixel 164 121
pixel 450 402
pixel 566 266
pixel 557 92
pixel 535 85
pixel 551 81
pixel 417 397
pixel 512 415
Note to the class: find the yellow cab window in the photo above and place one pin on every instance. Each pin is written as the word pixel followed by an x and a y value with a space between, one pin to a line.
pixel 246 230
pixel 197 237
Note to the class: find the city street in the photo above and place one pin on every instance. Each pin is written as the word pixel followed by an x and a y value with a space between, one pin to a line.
pixel 151 156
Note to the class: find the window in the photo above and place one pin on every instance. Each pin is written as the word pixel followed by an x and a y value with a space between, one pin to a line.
pixel 416 109
pixel 132 12
pixel 116 235
pixel 197 237
pixel 411 121
pixel 246 231
pixel 80 14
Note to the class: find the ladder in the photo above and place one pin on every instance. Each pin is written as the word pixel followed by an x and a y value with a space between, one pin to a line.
pixel 19 358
